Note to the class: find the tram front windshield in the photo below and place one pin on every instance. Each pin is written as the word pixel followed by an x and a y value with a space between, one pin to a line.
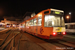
pixel 53 21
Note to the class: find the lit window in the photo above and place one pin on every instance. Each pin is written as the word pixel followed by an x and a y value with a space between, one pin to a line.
pixel 39 21
pixel 23 25
pixel 51 20
pixel 27 23
pixel 35 22
pixel 31 22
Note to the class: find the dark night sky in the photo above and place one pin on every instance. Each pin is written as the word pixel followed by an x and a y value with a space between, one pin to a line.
pixel 19 8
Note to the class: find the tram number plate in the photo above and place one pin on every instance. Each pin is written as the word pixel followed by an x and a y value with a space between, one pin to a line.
pixel 59 33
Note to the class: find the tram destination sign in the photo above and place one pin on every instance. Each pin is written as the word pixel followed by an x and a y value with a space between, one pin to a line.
pixel 57 13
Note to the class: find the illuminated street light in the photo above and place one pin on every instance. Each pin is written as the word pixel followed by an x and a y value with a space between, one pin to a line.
pixel 67 17
pixel 69 13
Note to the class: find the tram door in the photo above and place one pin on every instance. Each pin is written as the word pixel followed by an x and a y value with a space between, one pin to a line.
pixel 39 23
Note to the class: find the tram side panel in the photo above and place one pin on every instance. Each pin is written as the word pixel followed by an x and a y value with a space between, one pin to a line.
pixel 29 30
pixel 32 29
pixel 23 29
pixel 47 32
pixel 44 32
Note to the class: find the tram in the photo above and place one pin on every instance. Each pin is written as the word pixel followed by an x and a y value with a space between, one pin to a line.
pixel 47 24
pixel 70 28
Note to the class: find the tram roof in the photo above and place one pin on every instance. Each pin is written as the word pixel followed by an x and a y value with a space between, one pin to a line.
pixel 57 10
pixel 69 23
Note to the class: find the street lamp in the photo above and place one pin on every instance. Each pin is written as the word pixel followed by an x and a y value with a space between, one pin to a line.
pixel 67 17
pixel 69 13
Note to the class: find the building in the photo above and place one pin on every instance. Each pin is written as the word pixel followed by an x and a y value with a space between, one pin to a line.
pixel 28 15
pixel 9 23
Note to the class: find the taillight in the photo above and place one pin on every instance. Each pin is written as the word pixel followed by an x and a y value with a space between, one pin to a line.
pixel 54 33
pixel 64 33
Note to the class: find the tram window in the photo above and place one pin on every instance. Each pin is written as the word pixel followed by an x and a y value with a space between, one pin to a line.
pixel 62 22
pixel 74 26
pixel 27 23
pixel 23 25
pixel 31 22
pixel 35 22
pixel 46 12
pixel 71 27
pixel 51 21
pixel 39 21
pixel 66 26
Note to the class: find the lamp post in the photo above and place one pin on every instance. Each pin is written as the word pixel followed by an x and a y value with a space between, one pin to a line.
pixel 67 17
pixel 70 16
